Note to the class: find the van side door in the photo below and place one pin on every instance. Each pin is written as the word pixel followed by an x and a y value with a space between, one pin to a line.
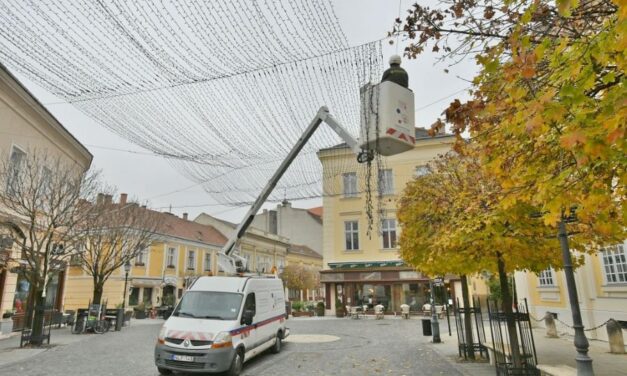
pixel 249 333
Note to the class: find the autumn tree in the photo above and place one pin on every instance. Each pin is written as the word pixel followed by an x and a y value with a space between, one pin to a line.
pixel 44 200
pixel 548 108
pixel 452 223
pixel 111 235
pixel 299 277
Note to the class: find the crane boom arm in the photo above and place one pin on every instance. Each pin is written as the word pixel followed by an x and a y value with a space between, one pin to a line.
pixel 322 116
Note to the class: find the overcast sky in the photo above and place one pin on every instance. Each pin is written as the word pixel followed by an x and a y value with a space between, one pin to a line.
pixel 151 178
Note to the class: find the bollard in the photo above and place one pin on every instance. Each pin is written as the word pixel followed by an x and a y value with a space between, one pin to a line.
pixel 549 322
pixel 615 337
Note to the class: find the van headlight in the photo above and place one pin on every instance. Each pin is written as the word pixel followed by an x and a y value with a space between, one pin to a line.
pixel 222 339
pixel 161 336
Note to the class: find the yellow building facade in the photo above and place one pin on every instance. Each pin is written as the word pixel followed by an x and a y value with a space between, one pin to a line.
pixel 362 266
pixel 182 251
pixel 26 126
pixel 601 288
pixel 264 252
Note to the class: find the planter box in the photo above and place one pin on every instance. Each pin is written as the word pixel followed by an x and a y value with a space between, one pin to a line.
pixel 140 315
pixel 302 314
pixel 6 326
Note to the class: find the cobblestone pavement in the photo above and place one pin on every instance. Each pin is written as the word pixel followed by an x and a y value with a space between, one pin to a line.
pixel 365 347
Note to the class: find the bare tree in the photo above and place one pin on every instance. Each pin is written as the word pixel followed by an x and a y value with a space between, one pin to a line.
pixel 112 235
pixel 43 200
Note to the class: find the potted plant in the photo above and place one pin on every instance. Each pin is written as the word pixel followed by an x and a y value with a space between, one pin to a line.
pixel 309 310
pixel 6 324
pixel 140 311
pixel 320 309
pixel 340 311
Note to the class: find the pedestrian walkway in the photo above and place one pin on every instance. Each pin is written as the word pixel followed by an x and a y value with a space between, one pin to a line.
pixel 550 351
pixel 10 351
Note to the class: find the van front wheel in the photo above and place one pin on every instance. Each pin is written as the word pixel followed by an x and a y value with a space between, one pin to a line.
pixel 278 344
pixel 237 364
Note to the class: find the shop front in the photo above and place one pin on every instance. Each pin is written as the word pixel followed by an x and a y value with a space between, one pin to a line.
pixel 385 283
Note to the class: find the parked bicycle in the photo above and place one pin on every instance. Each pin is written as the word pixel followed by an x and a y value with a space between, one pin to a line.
pixel 91 320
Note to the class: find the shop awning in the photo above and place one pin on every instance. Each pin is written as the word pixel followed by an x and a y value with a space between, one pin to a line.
pixel 368 264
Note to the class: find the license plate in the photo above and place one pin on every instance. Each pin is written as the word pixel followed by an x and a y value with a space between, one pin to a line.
pixel 182 358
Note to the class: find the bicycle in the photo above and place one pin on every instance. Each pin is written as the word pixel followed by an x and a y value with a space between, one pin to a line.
pixel 84 323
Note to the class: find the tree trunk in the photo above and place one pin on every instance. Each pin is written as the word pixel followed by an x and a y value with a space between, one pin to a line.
pixel 38 319
pixel 470 352
pixel 30 307
pixel 509 314
pixel 97 293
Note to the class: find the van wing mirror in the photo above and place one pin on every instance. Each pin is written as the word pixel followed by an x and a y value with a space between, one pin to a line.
pixel 247 316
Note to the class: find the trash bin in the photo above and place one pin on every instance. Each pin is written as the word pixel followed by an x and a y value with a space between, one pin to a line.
pixel 288 309
pixel 426 327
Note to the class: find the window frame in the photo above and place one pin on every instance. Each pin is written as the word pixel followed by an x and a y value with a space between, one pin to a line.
pixel 353 232
pixel 349 185
pixel 614 264
pixel 386 187
pixel 208 256
pixel 190 259
pixel 170 263
pixel 14 171
pixel 392 236
pixel 546 278
pixel 140 257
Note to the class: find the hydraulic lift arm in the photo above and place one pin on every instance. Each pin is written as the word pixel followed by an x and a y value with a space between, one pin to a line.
pixel 232 263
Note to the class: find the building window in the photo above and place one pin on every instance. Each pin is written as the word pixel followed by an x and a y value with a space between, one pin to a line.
pixel 350 184
pixel 191 260
pixel 388 232
pixel 133 299
pixel 545 277
pixel 351 230
pixel 140 259
pixel 147 298
pixel 386 182
pixel 15 165
pixel 615 264
pixel 207 261
pixel 421 171
pixel 171 257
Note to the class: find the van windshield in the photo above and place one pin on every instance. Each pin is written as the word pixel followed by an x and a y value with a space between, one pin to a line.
pixel 209 305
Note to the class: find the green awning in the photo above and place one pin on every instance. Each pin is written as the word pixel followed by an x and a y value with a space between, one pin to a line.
pixel 365 265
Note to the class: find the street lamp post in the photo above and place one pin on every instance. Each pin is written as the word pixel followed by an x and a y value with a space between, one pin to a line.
pixel 584 362
pixel 435 325
pixel 127 269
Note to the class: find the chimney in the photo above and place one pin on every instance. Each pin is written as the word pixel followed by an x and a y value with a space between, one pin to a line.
pixel 123 197
pixel 108 199
pixel 100 199
pixel 185 216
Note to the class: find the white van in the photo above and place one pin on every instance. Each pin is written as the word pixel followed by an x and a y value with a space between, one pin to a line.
pixel 220 323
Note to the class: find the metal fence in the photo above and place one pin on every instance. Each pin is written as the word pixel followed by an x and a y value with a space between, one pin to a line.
pixel 512 340
pixel 470 344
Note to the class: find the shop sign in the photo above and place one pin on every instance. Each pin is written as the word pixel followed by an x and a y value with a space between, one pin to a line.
pixel 409 275
pixel 373 276
pixel 331 277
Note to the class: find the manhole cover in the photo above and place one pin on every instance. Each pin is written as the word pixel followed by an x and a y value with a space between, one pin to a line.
pixel 311 338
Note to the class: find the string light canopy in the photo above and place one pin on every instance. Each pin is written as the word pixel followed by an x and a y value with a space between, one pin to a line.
pixel 221 88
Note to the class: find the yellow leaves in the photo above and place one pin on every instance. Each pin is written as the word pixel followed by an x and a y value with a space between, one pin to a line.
pixel 533 124
pixel 615 135
pixel 570 140
pixel 565 6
